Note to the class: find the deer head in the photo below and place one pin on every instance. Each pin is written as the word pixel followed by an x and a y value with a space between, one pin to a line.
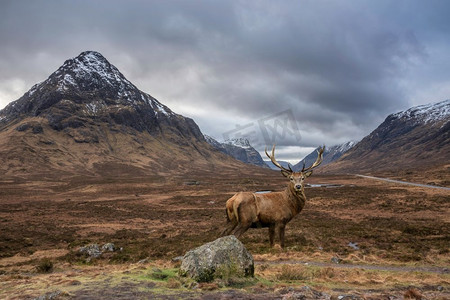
pixel 297 178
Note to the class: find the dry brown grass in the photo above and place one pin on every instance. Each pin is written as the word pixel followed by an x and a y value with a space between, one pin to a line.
pixel 161 217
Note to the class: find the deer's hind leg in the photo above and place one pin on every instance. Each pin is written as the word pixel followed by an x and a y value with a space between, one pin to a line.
pixel 241 228
pixel 231 225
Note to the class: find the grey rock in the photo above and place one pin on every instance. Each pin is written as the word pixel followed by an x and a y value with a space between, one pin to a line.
pixel 336 260
pixel 294 296
pixel 143 261
pixel 223 257
pixel 350 297
pixel 109 247
pixel 92 250
pixel 178 258
pixel 353 245
pixel 52 295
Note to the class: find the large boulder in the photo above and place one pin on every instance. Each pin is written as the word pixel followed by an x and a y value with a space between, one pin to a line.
pixel 223 257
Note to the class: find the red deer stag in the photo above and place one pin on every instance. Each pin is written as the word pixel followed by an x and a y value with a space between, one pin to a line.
pixel 274 210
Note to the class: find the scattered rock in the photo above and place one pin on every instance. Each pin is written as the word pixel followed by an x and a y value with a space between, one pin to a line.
pixel 192 183
pixel 347 297
pixel 294 296
pixel 53 295
pixel 336 260
pixel 313 294
pixel 305 292
pixel 109 247
pixel 92 250
pixel 353 245
pixel 178 258
pixel 224 257
pixel 143 261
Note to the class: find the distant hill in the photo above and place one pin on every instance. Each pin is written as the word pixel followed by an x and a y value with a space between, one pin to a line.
pixel 417 138
pixel 330 154
pixel 285 164
pixel 240 149
pixel 87 119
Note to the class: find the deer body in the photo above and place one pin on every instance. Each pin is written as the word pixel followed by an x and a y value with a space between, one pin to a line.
pixel 274 210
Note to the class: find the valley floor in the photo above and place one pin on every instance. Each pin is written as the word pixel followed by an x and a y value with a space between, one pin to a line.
pixel 356 236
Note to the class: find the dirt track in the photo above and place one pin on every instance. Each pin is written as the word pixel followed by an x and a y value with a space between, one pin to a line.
pixel 405 182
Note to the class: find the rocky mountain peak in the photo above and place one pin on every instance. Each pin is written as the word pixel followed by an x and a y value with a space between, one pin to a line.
pixel 88 89
pixel 90 71
pixel 88 79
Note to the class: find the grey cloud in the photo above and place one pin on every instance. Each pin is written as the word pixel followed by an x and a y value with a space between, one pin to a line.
pixel 340 66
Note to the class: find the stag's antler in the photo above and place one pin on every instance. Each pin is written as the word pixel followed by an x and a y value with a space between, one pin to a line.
pixel 274 161
pixel 317 162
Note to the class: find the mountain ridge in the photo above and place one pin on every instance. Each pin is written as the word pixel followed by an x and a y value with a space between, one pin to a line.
pixel 87 118
pixel 418 137
pixel 239 149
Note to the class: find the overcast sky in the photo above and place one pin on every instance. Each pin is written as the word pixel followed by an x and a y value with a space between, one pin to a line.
pixel 320 72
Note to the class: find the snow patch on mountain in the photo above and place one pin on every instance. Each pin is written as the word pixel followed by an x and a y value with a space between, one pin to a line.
pixel 342 148
pixel 427 113
pixel 239 142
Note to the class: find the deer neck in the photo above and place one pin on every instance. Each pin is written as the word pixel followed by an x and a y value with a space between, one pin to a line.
pixel 296 198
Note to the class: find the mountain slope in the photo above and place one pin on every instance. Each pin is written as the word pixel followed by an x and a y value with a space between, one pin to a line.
pixel 240 149
pixel 87 118
pixel 416 138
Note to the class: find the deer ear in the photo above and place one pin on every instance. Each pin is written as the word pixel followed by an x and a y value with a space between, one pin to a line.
pixel 307 174
pixel 285 173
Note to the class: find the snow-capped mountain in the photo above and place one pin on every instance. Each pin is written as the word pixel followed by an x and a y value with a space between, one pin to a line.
pixel 88 87
pixel 415 138
pixel 330 154
pixel 87 118
pixel 240 149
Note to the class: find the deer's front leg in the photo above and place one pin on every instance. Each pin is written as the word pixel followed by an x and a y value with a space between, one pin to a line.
pixel 281 228
pixel 271 234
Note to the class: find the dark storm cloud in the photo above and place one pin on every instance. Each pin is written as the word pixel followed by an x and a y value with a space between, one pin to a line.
pixel 339 66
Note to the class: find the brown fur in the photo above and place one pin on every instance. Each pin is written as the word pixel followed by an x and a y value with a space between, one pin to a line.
pixel 273 210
